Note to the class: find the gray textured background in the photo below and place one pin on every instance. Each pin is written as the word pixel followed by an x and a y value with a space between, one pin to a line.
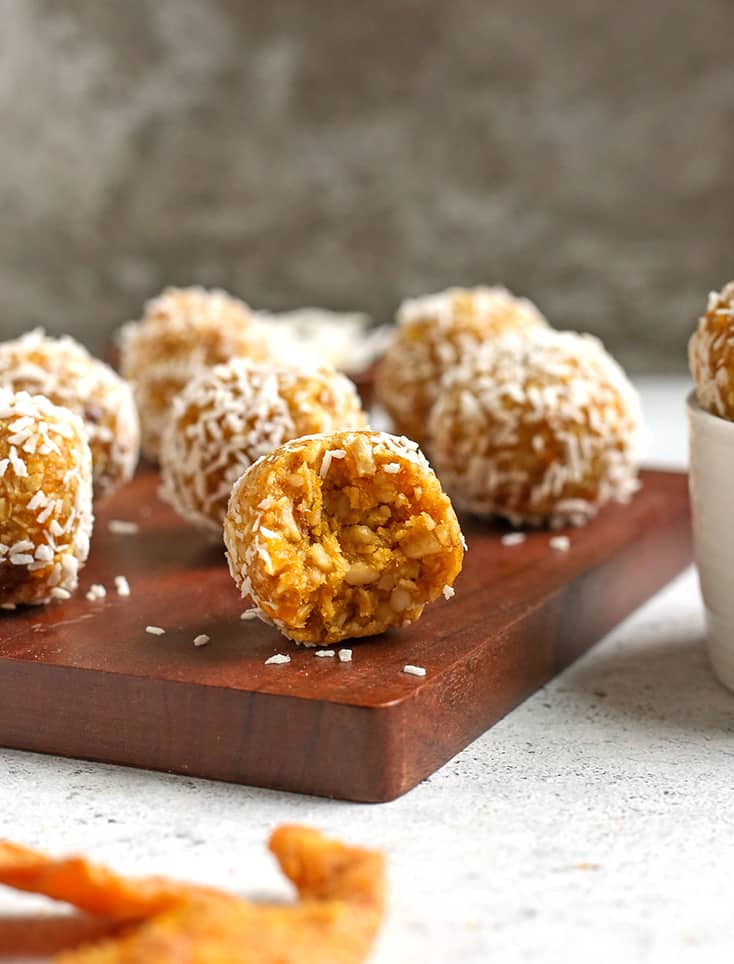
pixel 349 153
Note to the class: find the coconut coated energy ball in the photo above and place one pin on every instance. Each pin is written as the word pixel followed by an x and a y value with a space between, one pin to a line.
pixel 539 431
pixel 183 331
pixel 45 499
pixel 432 334
pixel 711 354
pixel 230 415
pixel 64 372
pixel 342 535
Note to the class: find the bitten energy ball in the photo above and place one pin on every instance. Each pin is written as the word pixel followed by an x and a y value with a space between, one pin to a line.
pixel 64 372
pixel 711 354
pixel 45 499
pixel 230 415
pixel 342 535
pixel 183 331
pixel 544 430
pixel 433 332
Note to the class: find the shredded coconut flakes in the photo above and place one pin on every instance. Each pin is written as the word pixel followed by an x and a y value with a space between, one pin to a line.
pixel 513 538
pixel 123 527
pixel 277 660
pixel 122 586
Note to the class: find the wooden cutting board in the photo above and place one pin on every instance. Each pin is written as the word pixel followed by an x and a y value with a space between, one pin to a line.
pixel 83 679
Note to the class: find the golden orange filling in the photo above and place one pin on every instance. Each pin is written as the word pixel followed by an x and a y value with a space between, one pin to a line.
pixel 342 535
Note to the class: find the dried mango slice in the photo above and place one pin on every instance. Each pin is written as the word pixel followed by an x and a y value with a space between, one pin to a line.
pixel 341 890
pixel 91 888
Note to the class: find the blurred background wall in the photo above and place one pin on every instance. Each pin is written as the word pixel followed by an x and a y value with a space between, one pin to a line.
pixel 347 153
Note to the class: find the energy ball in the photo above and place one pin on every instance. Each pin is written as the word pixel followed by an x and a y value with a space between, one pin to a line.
pixel 342 535
pixel 45 499
pixel 64 372
pixel 183 331
pixel 433 333
pixel 539 431
pixel 711 354
pixel 230 415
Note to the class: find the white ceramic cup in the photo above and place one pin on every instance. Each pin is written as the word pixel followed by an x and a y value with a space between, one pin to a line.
pixel 711 441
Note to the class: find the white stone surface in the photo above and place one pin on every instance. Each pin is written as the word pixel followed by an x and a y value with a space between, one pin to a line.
pixel 594 823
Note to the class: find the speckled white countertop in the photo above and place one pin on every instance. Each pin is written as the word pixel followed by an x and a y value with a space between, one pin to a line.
pixel 595 822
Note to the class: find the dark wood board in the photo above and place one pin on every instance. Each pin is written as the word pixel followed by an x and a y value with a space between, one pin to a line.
pixel 83 679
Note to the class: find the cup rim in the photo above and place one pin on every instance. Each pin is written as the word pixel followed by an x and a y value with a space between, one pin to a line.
pixel 716 423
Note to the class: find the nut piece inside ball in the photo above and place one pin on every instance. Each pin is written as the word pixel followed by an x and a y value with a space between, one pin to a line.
pixel 432 334
pixel 539 431
pixel 230 415
pixel 711 354
pixel 45 499
pixel 183 331
pixel 64 372
pixel 342 535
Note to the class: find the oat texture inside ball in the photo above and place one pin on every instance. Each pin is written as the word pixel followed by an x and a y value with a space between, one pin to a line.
pixel 342 535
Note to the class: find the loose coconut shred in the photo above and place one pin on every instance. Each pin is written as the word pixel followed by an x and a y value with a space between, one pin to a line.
pixel 543 430
pixel 45 499
pixel 339 545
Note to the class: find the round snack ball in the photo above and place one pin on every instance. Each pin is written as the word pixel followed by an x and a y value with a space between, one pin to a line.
pixel 541 431
pixel 183 331
pixel 65 372
pixel 230 415
pixel 711 354
pixel 432 334
pixel 342 535
pixel 45 499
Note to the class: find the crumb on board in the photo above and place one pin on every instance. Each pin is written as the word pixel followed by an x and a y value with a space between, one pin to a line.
pixel 249 614
pixel 448 592
pixel 9 606
pixel 155 630
pixel 560 543
pixel 202 639
pixel 414 670
pixel 123 527
pixel 277 659
pixel 122 586
pixel 345 656
pixel 513 538
pixel 96 591
pixel 324 652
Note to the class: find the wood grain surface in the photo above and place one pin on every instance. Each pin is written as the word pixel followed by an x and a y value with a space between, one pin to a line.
pixel 84 679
